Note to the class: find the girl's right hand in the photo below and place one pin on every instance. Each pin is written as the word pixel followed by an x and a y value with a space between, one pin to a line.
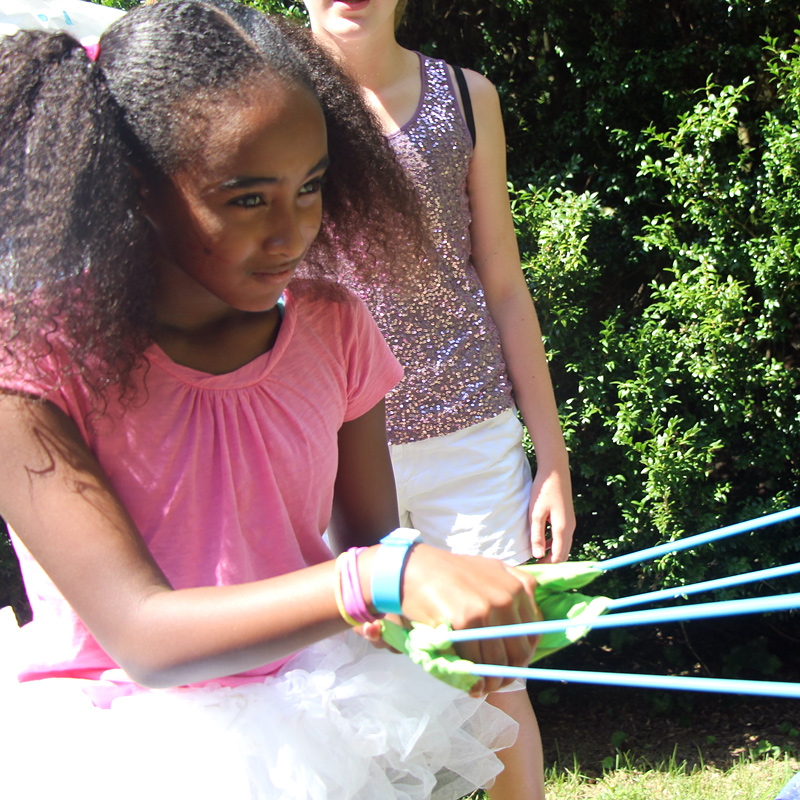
pixel 472 592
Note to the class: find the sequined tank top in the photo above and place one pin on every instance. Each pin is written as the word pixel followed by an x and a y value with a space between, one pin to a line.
pixel 442 334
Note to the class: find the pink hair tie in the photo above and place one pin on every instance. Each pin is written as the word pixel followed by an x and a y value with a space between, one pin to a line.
pixel 352 596
pixel 92 49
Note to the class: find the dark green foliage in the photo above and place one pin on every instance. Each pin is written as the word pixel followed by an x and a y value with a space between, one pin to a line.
pixel 123 4
pixel 12 592
pixel 290 8
pixel 680 402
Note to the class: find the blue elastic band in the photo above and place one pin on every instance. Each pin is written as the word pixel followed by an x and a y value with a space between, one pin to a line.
pixel 678 682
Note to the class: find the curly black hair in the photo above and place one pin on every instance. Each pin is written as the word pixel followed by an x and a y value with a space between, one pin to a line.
pixel 76 254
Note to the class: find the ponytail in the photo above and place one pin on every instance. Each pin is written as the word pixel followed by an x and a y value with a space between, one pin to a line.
pixel 68 205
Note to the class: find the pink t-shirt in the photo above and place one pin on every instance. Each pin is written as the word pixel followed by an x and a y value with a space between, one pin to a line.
pixel 229 478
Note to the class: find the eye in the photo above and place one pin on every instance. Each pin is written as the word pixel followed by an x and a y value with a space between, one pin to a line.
pixel 248 201
pixel 314 186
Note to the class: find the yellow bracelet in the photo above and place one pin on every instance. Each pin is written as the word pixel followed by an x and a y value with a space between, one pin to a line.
pixel 337 591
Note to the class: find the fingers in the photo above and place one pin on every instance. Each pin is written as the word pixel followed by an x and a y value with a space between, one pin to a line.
pixel 538 535
pixel 472 592
pixel 532 613
pixel 550 505
pixel 371 631
pixel 562 526
pixel 511 601
pixel 561 544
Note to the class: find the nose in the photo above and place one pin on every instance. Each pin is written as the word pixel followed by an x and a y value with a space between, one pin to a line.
pixel 289 234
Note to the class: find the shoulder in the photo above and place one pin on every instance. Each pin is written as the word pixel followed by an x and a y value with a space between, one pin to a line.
pixel 324 300
pixel 483 94
pixel 489 129
pixel 38 369
pixel 485 104
pixel 336 331
pixel 481 89
pixel 479 83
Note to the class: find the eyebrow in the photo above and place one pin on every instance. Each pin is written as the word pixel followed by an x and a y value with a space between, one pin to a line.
pixel 249 182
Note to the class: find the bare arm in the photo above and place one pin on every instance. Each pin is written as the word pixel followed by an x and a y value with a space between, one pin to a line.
pixel 360 518
pixel 450 587
pixel 58 500
pixel 496 259
pixel 56 497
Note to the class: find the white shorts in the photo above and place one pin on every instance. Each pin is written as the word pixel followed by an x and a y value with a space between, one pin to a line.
pixel 468 491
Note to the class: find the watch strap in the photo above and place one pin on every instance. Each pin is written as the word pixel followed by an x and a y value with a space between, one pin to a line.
pixel 387 569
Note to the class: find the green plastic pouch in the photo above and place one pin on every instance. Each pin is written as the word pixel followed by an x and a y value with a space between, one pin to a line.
pixel 556 597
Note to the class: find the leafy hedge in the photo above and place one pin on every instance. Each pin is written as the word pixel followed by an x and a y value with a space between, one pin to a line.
pixel 680 402
pixel 654 147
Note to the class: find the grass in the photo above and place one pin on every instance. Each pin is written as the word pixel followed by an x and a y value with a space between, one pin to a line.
pixel 747 779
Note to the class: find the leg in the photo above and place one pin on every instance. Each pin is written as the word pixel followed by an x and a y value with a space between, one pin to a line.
pixel 468 492
pixel 523 774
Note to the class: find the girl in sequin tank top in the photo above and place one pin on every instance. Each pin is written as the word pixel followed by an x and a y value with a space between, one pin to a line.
pixel 467 337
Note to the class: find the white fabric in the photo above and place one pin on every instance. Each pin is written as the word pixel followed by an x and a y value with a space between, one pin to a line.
pixel 341 721
pixel 468 491
pixel 85 21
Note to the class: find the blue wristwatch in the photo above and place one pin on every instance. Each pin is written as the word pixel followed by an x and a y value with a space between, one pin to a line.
pixel 387 569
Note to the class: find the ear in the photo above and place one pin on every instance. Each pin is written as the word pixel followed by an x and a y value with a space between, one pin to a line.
pixel 146 194
pixel 141 184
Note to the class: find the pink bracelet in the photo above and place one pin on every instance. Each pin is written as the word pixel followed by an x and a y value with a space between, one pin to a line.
pixel 352 596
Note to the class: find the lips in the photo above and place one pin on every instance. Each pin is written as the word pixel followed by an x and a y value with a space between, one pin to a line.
pixel 276 275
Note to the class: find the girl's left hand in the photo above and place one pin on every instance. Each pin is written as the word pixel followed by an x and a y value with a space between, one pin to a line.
pixel 551 502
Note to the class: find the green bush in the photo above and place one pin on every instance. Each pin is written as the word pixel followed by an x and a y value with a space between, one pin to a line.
pixel 681 405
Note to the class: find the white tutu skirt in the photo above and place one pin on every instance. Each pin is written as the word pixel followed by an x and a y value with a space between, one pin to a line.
pixel 341 720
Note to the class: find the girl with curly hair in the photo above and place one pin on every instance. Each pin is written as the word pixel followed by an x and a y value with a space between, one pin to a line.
pixel 181 418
